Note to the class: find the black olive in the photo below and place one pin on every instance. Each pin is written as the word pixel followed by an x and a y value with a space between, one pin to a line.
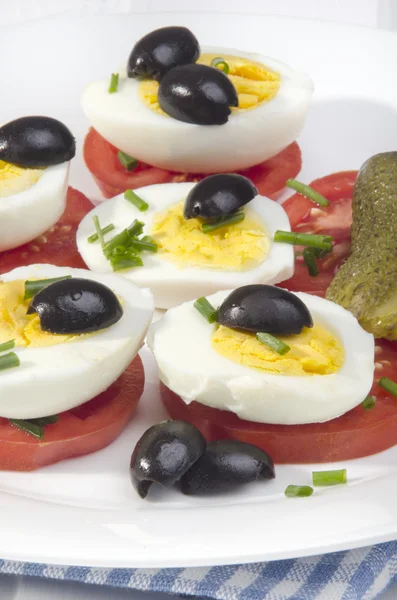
pixel 164 453
pixel 264 308
pixel 161 50
pixel 226 464
pixel 197 94
pixel 76 306
pixel 36 142
pixel 219 195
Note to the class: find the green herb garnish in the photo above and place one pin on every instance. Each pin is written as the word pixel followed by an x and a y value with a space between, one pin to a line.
pixel 368 403
pixel 307 191
pixel 298 491
pixel 7 346
pixel 34 427
pixel 322 242
pixel 389 385
pixel 132 197
pixel 206 309
pixel 129 162
pixel 274 343
pixel 221 64
pixel 310 261
pixel 325 478
pixel 94 237
pixel 8 361
pixel 34 287
pixel 114 82
pixel 223 222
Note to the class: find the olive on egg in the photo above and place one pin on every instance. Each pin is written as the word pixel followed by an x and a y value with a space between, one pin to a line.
pixel 161 50
pixel 264 308
pixel 226 464
pixel 197 94
pixel 36 141
pixel 219 195
pixel 164 453
pixel 74 306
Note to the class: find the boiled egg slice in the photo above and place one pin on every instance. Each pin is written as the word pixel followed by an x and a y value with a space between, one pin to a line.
pixel 31 201
pixel 59 372
pixel 273 103
pixel 189 263
pixel 328 371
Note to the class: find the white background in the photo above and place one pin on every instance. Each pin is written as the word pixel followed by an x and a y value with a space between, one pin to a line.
pixel 371 13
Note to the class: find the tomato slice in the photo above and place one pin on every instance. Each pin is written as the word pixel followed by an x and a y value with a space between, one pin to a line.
pixel 334 220
pixel 58 245
pixel 112 178
pixel 355 434
pixel 83 430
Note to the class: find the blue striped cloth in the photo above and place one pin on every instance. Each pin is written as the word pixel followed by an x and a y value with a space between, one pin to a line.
pixel 353 575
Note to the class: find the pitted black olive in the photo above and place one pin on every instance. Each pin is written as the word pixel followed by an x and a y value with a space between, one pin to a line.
pixel 219 195
pixel 264 308
pixel 76 306
pixel 226 464
pixel 161 50
pixel 36 142
pixel 164 453
pixel 197 94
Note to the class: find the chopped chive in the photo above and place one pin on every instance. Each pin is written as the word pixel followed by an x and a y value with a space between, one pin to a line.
pixel 323 242
pixel 8 361
pixel 142 245
pixel 94 237
pixel 368 403
pixel 33 429
pixel 298 491
pixel 34 287
pixel 114 82
pixel 223 222
pixel 221 64
pixel 147 238
pixel 129 162
pixel 274 343
pixel 310 261
pixel 135 228
pixel 121 239
pixel 307 191
pixel 7 346
pixel 119 251
pixel 98 230
pixel 320 253
pixel 206 309
pixel 324 478
pixel 389 385
pixel 140 204
pixel 126 263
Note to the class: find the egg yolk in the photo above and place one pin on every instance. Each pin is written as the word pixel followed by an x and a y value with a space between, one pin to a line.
pixel 255 83
pixel 235 247
pixel 315 351
pixel 14 179
pixel 16 325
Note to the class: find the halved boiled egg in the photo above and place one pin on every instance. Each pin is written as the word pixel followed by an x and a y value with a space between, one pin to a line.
pixel 327 371
pixel 272 99
pixel 34 166
pixel 58 372
pixel 189 262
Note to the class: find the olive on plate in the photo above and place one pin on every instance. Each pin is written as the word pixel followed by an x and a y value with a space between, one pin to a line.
pixel 264 308
pixel 164 453
pixel 219 195
pixel 76 305
pixel 36 141
pixel 197 94
pixel 226 464
pixel 161 50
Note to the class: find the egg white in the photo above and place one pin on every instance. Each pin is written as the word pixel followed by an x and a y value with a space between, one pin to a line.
pixel 53 379
pixel 190 367
pixel 247 139
pixel 28 214
pixel 170 283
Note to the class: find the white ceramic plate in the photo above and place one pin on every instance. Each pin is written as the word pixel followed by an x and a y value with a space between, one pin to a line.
pixel 84 511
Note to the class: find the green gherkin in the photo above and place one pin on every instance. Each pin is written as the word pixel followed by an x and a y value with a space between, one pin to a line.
pixel 367 283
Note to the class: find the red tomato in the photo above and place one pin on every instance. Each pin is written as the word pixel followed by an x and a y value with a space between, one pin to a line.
pixel 334 220
pixel 357 433
pixel 83 430
pixel 58 245
pixel 112 178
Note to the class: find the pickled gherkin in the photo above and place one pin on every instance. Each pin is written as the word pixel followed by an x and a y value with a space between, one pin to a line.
pixel 367 282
